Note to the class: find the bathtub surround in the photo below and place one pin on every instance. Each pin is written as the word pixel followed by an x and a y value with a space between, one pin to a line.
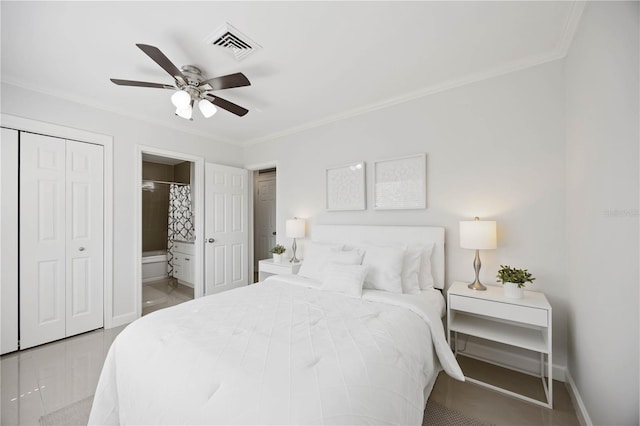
pixel 155 201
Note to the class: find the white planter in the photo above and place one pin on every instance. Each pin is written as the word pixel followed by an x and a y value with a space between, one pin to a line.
pixel 512 291
pixel 277 258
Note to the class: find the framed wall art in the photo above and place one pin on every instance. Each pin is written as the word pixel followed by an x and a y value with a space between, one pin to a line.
pixel 345 187
pixel 401 183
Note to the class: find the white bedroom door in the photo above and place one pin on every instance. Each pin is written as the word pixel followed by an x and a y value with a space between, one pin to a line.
pixel 61 260
pixel 225 225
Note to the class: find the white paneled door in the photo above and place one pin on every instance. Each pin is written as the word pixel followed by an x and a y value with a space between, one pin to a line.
pixel 61 238
pixel 9 241
pixel 84 239
pixel 226 234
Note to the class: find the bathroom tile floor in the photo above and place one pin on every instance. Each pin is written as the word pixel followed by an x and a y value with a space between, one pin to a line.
pixel 162 294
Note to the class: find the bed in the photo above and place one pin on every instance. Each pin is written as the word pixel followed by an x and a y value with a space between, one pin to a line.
pixel 311 348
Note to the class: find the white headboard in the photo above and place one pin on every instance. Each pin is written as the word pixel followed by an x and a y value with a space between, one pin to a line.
pixel 382 234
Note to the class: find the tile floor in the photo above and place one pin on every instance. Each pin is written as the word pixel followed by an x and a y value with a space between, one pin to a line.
pixel 492 407
pixel 41 380
pixel 44 379
pixel 164 293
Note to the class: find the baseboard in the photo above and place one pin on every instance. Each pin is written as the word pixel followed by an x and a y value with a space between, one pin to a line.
pixel 576 399
pixel 514 361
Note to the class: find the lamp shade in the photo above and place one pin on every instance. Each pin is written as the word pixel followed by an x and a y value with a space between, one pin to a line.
pixel 478 234
pixel 295 228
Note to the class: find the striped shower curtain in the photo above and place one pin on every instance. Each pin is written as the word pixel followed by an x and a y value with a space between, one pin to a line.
pixel 180 219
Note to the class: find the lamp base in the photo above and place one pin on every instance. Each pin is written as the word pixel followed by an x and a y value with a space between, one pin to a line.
pixel 477 286
pixel 294 259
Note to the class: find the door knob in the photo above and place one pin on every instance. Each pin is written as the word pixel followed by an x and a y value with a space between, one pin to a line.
pixel 211 240
pixel 81 249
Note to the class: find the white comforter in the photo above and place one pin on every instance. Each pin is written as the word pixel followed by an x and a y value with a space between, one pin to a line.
pixel 280 352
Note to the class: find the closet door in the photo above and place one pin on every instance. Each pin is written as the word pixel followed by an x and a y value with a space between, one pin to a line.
pixel 42 239
pixel 84 238
pixel 61 238
pixel 9 241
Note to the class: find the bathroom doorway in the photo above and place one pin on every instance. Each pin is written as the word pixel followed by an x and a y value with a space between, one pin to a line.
pixel 168 230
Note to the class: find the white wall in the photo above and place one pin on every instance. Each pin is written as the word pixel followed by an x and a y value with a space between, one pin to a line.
pixel 495 149
pixel 602 211
pixel 126 134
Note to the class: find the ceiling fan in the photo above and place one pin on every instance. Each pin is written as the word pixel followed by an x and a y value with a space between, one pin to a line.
pixel 191 86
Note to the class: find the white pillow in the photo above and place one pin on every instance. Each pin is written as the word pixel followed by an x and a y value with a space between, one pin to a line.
pixel 347 257
pixel 411 269
pixel 346 279
pixel 425 277
pixel 316 258
pixel 385 267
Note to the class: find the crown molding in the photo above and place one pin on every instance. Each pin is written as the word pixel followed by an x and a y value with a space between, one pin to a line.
pixel 144 118
pixel 571 27
pixel 441 87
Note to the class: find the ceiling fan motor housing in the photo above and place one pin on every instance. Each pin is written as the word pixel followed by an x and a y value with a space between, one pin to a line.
pixel 194 77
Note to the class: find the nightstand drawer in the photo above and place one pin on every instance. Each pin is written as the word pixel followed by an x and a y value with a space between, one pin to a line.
pixel 507 311
pixel 275 268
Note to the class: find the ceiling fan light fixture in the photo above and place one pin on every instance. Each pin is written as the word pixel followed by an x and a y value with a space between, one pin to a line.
pixel 186 112
pixel 180 99
pixel 207 108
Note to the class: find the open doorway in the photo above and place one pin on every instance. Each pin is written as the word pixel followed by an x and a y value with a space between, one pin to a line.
pixel 264 215
pixel 168 232
pixel 157 171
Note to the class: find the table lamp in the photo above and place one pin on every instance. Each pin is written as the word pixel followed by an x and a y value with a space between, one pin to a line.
pixel 478 235
pixel 295 229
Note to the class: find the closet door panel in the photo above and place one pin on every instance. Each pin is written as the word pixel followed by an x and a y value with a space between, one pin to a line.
pixel 42 239
pixel 9 241
pixel 84 235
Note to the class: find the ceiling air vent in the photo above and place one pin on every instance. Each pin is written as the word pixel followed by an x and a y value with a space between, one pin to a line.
pixel 230 38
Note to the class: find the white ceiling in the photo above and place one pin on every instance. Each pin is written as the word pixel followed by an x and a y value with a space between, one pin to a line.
pixel 320 61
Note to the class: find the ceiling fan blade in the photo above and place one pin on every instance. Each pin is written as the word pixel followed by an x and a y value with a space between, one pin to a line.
pixel 227 81
pixel 160 59
pixel 142 84
pixel 225 104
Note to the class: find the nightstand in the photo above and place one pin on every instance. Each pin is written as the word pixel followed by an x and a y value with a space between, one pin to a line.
pixel 525 323
pixel 268 267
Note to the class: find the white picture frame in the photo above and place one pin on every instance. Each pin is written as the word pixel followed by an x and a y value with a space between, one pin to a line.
pixel 345 187
pixel 400 183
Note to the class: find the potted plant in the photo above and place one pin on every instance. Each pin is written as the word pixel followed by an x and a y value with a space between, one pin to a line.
pixel 513 280
pixel 277 252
